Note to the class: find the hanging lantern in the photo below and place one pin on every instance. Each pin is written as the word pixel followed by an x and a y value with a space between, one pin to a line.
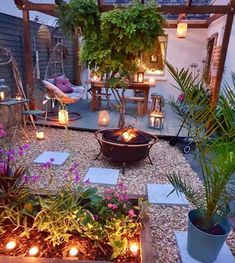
pixel 103 118
pixel 63 116
pixel 156 120
pixel 182 26
pixel 44 34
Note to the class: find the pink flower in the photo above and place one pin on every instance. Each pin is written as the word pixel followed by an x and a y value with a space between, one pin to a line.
pixel 108 191
pixel 25 179
pixel 112 206
pixel 2 132
pixel 181 97
pixel 131 213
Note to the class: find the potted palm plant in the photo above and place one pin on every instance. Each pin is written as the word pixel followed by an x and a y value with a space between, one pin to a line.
pixel 213 133
pixel 114 40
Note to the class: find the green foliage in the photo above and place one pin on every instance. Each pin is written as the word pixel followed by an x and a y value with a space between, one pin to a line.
pixel 113 41
pixel 63 214
pixel 215 152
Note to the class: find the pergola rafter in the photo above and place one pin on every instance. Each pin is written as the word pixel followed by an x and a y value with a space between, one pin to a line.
pixel 217 11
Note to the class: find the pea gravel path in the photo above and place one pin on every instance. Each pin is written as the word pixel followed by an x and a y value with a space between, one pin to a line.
pixel 83 148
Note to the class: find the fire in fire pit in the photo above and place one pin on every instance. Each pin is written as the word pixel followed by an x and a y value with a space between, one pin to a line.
pixel 125 145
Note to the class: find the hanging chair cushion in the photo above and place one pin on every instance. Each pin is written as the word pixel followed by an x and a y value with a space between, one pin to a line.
pixel 64 98
pixel 63 84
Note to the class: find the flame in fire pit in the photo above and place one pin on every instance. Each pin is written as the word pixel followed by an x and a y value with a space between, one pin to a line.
pixel 128 135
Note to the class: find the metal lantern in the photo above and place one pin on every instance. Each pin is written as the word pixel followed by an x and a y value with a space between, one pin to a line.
pixel 63 116
pixel 4 91
pixel 156 120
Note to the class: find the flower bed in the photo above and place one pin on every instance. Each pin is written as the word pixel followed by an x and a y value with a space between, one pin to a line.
pixel 77 222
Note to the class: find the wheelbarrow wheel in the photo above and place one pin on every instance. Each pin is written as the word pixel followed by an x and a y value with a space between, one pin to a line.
pixel 187 149
pixel 173 141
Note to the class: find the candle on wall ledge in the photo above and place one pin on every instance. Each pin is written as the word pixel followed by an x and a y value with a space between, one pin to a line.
pixel 152 81
pixel 18 97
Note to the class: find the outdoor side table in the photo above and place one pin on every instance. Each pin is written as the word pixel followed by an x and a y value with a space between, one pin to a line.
pixel 10 103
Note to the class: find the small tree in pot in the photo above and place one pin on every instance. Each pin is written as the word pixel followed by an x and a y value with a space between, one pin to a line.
pixel 114 40
pixel 213 132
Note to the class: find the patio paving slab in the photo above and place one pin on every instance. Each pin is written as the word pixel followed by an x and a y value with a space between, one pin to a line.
pixel 102 176
pixel 225 254
pixel 158 194
pixel 59 157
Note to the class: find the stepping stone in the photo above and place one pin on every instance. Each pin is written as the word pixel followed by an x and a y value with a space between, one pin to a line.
pixel 158 194
pixel 225 254
pixel 59 157
pixel 102 176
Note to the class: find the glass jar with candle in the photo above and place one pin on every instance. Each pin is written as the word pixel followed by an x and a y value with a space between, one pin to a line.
pixel 4 91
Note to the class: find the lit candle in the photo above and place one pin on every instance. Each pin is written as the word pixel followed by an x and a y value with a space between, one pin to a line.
pixel 63 117
pixel 11 245
pixel 140 77
pixel 33 251
pixel 157 122
pixel 134 248
pixel 73 252
pixel 40 134
pixel 18 97
pixel 104 121
pixel 2 95
pixel 151 121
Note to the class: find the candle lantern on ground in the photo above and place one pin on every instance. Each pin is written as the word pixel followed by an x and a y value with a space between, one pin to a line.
pixel 103 118
pixel 40 134
pixel 63 116
pixel 156 120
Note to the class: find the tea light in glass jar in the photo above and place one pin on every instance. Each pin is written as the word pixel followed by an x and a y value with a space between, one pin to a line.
pixel 134 248
pixel 103 118
pixel 18 97
pixel 40 134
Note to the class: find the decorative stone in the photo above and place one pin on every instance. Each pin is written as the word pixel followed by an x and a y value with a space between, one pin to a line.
pixel 225 254
pixel 59 157
pixel 102 176
pixel 158 194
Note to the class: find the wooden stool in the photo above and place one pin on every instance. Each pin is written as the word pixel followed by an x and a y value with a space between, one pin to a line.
pixel 140 104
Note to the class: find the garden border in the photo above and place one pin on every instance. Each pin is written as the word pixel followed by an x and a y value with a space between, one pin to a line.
pixel 146 249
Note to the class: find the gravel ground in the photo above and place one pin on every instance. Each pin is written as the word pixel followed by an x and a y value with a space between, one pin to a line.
pixel 83 148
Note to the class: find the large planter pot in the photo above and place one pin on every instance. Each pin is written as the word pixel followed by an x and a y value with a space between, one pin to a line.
pixel 203 246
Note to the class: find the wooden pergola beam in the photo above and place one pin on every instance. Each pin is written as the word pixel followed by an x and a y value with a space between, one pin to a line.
pixel 191 24
pixel 179 9
pixel 28 58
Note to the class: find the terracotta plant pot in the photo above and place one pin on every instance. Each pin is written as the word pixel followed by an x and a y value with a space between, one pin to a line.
pixel 203 246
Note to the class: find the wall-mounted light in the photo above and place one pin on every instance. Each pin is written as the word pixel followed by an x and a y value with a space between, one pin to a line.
pixel 182 26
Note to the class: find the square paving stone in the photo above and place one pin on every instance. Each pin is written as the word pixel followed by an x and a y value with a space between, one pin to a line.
pixel 225 255
pixel 59 157
pixel 158 194
pixel 102 176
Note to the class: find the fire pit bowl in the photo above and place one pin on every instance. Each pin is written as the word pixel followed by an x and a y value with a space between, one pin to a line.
pixel 125 145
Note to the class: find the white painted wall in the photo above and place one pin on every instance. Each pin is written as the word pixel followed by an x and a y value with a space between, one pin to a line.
pixel 181 53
